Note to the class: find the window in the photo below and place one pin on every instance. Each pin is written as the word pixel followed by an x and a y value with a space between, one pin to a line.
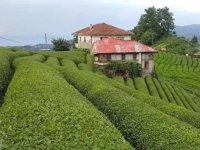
pixel 120 37
pixel 85 39
pixel 80 39
pixel 134 56
pixel 101 38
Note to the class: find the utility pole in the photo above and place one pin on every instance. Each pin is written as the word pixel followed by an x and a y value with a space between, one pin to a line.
pixel 46 40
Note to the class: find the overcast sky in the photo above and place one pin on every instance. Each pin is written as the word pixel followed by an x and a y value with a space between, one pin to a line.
pixel 26 21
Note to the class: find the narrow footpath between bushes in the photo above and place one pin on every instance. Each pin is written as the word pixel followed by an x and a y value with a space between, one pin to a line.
pixel 6 84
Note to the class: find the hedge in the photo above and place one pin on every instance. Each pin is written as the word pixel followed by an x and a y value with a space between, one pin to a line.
pixel 168 108
pixel 143 126
pixel 182 97
pixel 129 83
pixel 42 111
pixel 90 61
pixel 85 67
pixel 141 85
pixel 168 93
pixel 68 63
pixel 190 101
pixel 152 89
pixel 75 55
pixel 6 58
pixel 176 98
pixel 52 61
pixel 160 90
pixel 4 69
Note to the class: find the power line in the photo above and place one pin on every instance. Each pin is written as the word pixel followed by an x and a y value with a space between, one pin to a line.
pixel 10 40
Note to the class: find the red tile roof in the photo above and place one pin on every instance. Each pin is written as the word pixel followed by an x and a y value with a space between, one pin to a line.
pixel 102 29
pixel 112 45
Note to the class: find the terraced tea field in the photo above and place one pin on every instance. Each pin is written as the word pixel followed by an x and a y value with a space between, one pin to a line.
pixel 183 70
pixel 56 101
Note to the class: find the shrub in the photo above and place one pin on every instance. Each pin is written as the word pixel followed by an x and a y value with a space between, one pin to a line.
pixel 141 85
pixel 90 61
pixel 168 108
pixel 84 67
pixel 143 126
pixel 160 90
pixel 42 111
pixel 168 93
pixel 75 55
pixel 134 69
pixel 52 61
pixel 4 69
pixel 152 89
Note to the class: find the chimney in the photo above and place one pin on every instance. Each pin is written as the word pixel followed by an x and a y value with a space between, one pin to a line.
pixel 91 26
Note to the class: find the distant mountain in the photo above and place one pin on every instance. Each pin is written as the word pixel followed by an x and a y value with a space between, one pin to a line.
pixel 188 31
pixel 35 47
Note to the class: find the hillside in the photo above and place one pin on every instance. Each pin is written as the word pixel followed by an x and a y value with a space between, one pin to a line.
pixel 188 31
pixel 176 44
pixel 54 100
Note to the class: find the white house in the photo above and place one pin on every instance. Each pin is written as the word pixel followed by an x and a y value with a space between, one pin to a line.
pixel 87 36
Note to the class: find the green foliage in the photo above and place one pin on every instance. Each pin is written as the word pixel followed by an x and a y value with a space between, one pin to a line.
pixel 76 55
pixel 61 44
pixel 194 40
pixel 176 44
pixel 168 108
pixel 90 61
pixel 143 126
pixel 42 111
pixel 152 89
pixel 52 61
pixel 141 85
pixel 84 67
pixel 153 25
pixel 134 69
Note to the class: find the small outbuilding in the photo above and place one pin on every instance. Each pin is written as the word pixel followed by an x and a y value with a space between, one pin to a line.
pixel 112 49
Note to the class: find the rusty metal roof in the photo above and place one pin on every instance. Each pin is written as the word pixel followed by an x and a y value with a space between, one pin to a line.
pixel 102 29
pixel 112 45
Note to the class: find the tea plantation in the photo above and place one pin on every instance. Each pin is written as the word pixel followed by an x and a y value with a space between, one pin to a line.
pixel 57 100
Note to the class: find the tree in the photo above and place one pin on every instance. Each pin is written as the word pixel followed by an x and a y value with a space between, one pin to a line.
pixel 194 40
pixel 61 44
pixel 153 25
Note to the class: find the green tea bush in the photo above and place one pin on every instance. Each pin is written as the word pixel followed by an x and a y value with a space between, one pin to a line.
pixel 4 69
pixel 142 125
pixel 42 111
pixel 168 108
pixel 182 98
pixel 160 90
pixel 85 67
pixel 90 61
pixel 176 98
pixel 152 89
pixel 75 55
pixel 168 93
pixel 52 61
pixel 141 85
pixel 190 101
pixel 68 63
pixel 129 83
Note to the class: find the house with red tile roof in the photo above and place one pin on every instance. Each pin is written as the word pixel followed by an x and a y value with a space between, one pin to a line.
pixel 112 49
pixel 87 36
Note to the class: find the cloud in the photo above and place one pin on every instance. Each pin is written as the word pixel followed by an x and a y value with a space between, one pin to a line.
pixel 24 19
